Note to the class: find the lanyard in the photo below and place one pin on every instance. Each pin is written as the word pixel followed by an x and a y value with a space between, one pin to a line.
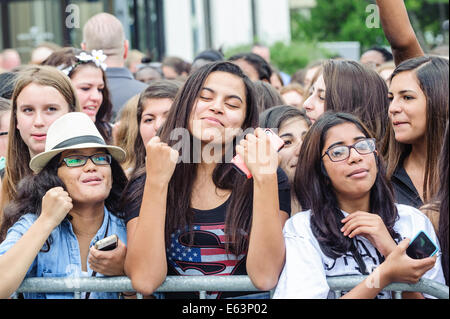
pixel 94 273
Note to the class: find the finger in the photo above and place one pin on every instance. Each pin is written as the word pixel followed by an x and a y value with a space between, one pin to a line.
pixel 403 245
pixel 352 224
pixel 259 132
pixel 174 155
pixel 240 150
pixel 243 143
pixel 355 215
pixel 94 252
pixel 364 230
pixel 154 140
pixel 251 138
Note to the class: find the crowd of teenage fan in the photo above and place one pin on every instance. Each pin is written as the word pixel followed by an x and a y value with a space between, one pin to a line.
pixel 101 141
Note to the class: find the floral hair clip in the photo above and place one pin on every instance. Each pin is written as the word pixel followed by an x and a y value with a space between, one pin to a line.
pixel 96 56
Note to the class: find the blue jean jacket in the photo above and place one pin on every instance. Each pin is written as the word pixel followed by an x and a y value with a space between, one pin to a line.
pixel 63 259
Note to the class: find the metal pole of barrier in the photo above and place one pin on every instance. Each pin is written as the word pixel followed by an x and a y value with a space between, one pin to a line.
pixel 397 295
pixel 425 286
pixel 203 284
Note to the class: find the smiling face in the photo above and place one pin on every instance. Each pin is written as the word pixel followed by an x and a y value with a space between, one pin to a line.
pixel 220 109
pixel 408 108
pixel 88 184
pixel 315 103
pixel 154 114
pixel 291 132
pixel 354 177
pixel 89 85
pixel 38 107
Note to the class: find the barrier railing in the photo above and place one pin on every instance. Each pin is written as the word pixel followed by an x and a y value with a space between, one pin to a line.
pixel 202 284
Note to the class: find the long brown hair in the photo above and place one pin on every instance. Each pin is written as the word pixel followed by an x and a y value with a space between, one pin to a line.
pixel 356 89
pixel 179 213
pixel 18 157
pixel 432 74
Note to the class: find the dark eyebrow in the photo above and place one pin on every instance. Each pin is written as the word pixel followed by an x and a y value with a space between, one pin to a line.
pixel 403 92
pixel 228 96
pixel 342 143
pixel 287 135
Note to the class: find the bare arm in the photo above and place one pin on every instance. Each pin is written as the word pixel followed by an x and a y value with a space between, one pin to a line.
pixel 145 262
pixel 398 30
pixel 266 251
pixel 15 263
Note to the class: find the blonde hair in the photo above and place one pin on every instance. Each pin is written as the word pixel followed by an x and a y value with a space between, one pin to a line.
pixel 18 157
pixel 126 131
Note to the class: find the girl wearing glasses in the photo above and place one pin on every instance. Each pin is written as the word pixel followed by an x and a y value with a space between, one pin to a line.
pixel 63 210
pixel 347 86
pixel 352 225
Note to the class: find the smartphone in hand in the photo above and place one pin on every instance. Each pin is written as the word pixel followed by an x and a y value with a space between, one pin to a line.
pixel 275 141
pixel 421 247
pixel 108 243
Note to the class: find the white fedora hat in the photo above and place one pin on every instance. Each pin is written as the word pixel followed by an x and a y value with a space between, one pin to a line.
pixel 73 130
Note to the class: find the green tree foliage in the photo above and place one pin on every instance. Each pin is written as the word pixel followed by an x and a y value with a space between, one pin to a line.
pixel 346 20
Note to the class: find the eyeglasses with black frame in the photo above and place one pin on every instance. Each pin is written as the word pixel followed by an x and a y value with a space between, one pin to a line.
pixel 81 160
pixel 340 153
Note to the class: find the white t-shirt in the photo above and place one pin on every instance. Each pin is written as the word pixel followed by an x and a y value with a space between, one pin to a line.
pixel 306 269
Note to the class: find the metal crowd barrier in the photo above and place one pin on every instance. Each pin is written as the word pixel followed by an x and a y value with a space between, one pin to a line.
pixel 202 284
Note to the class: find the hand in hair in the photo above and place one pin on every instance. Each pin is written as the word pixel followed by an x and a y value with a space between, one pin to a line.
pixel 56 204
pixel 160 161
pixel 260 157
pixel 370 226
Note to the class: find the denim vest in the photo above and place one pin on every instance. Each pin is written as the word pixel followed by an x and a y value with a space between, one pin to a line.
pixel 63 259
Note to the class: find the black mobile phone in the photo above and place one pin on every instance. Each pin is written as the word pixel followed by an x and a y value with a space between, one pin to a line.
pixel 421 246
pixel 108 243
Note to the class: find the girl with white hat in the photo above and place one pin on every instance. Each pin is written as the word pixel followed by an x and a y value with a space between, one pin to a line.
pixel 63 210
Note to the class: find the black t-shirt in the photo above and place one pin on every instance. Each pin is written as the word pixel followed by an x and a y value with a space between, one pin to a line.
pixel 207 254
pixel 404 190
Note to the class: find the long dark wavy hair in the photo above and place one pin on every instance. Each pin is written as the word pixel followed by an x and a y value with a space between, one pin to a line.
pixel 179 213
pixel 314 191
pixel 32 188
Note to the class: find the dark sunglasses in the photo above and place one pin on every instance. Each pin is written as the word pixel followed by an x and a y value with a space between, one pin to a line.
pixel 81 160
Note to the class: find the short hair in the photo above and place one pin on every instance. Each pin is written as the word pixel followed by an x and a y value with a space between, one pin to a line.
pixel 104 32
